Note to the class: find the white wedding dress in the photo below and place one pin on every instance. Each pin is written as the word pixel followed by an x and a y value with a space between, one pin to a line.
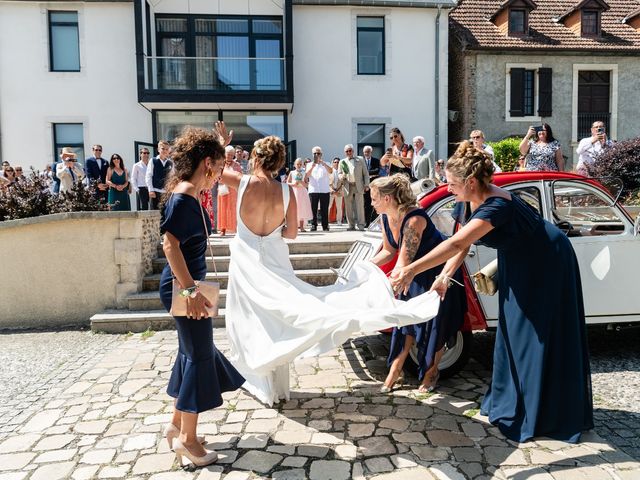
pixel 273 317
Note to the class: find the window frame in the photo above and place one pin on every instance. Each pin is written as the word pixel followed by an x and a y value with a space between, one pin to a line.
pixel 585 12
pixel 525 27
pixel 58 145
pixel 374 145
pixel 381 30
pixel 50 25
pixel 536 92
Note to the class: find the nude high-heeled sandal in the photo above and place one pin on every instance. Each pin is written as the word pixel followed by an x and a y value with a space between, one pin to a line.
pixel 181 451
pixel 171 432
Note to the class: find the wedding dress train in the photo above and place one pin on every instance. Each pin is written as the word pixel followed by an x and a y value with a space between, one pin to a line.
pixel 273 317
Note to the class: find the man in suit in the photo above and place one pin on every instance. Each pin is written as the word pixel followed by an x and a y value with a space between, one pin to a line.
pixel 423 162
pixel 356 181
pixel 373 167
pixel 68 171
pixel 157 172
pixel 95 169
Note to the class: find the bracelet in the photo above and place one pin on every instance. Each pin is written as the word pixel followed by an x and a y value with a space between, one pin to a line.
pixel 448 281
pixel 190 292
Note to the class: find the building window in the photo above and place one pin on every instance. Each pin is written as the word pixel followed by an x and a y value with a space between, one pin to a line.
pixel 528 93
pixel 68 135
pixel 517 22
pixel 209 53
pixel 370 45
pixel 590 23
pixel 371 134
pixel 247 126
pixel 64 42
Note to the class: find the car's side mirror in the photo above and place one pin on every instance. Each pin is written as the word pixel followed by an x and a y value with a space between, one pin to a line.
pixel 636 226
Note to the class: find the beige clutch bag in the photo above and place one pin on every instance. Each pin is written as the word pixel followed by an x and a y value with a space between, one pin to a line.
pixel 486 279
pixel 210 290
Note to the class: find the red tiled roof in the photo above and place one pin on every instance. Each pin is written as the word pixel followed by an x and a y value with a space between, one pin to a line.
pixel 470 22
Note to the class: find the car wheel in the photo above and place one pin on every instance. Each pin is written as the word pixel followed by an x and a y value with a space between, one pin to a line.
pixel 453 360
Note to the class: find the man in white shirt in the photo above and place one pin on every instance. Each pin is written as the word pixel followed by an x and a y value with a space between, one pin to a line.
pixel 318 174
pixel 589 148
pixel 157 171
pixel 139 180
pixel 477 138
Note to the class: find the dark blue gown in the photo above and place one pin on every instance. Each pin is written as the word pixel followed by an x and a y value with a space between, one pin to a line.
pixel 541 383
pixel 432 335
pixel 201 373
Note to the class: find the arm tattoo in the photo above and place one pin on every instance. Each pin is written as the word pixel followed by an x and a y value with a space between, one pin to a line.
pixel 410 243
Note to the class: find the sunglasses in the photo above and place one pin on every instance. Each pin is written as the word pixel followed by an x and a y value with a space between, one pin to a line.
pixel 393 136
pixel 475 138
pixel 317 153
pixel 144 153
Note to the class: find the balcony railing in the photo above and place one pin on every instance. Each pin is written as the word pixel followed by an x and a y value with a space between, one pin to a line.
pixel 585 120
pixel 215 74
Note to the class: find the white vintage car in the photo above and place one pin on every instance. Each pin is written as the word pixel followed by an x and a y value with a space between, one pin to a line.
pixel 603 233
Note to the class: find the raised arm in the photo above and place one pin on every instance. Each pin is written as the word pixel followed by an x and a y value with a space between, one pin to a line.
pixel 457 244
pixel 524 144
pixel 231 178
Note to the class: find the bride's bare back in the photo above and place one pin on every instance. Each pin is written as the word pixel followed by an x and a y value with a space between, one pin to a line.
pixel 262 208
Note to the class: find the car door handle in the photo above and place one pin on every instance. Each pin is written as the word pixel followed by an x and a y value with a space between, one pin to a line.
pixel 471 254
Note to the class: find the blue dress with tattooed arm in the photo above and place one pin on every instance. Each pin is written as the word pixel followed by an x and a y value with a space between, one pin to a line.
pixel 433 334
pixel 201 373
pixel 541 381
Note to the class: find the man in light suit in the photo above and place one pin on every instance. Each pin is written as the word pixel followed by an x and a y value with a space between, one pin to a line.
pixel 423 162
pixel 68 171
pixel 353 172
pixel 95 169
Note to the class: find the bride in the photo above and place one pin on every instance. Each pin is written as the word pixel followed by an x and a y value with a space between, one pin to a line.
pixel 272 316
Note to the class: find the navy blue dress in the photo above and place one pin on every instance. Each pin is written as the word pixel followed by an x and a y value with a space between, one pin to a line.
pixel 541 383
pixel 432 335
pixel 201 373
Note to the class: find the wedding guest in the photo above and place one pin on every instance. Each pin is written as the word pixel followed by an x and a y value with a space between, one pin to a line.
pixel 399 157
pixel 541 383
pixel 9 176
pixel 138 180
pixel 355 179
pixel 95 170
pixel 20 177
pixel 298 178
pixel 423 160
pixel 477 138
pixel 543 151
pixel 227 196
pixel 68 171
pixel 157 171
pixel 336 193
pixel 201 373
pixel 5 165
pixel 589 148
pixel 318 172
pixel 409 233
pixel 118 182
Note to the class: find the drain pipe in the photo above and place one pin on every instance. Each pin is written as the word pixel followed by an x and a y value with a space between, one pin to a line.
pixel 436 148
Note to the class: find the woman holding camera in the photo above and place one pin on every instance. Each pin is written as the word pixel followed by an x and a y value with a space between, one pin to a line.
pixel 399 157
pixel 541 381
pixel 542 150
pixel 118 181
pixel 201 373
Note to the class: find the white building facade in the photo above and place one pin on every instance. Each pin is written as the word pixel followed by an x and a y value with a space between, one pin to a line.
pixel 129 73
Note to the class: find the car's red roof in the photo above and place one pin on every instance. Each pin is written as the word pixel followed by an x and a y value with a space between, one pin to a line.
pixel 503 179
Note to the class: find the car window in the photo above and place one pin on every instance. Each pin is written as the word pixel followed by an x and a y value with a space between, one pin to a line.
pixel 531 195
pixel 585 211
pixel 442 218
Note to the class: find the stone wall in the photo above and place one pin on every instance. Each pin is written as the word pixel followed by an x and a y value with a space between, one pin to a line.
pixel 61 269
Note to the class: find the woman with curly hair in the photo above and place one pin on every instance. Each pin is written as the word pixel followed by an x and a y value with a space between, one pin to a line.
pixel 201 373
pixel 409 233
pixel 541 377
pixel 272 316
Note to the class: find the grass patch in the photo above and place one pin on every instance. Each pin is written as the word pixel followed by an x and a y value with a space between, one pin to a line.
pixel 424 396
pixel 472 412
pixel 231 407
pixel 367 397
pixel 147 333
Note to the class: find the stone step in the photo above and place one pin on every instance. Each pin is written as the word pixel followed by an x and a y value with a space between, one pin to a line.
pixel 124 321
pixel 151 301
pixel 317 277
pixel 295 247
pixel 300 261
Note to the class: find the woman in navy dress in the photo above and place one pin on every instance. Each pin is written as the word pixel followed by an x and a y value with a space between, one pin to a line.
pixel 541 377
pixel 410 233
pixel 201 373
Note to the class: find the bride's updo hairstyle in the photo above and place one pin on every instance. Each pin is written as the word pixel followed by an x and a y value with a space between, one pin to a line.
pixel 398 187
pixel 468 162
pixel 189 150
pixel 268 154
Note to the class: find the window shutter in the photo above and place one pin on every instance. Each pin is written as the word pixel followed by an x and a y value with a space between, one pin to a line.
pixel 517 97
pixel 544 89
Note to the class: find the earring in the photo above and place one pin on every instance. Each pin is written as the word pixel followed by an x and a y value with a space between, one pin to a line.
pixel 209 173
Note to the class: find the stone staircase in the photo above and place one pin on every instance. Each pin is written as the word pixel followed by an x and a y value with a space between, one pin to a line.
pixel 312 255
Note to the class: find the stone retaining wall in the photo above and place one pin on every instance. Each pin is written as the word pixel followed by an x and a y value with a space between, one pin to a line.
pixel 60 269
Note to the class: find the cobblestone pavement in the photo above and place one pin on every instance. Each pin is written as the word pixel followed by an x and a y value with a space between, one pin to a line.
pixel 83 406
